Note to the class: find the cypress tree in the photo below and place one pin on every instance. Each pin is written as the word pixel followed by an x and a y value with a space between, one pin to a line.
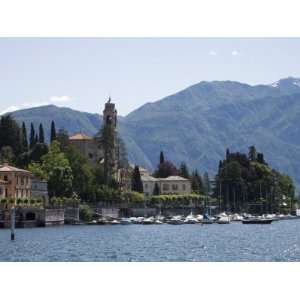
pixel 227 154
pixel 32 136
pixel 161 158
pixel 136 184
pixel 41 134
pixel 24 138
pixel 196 182
pixel 53 132
pixel 206 183
pixel 183 171
pixel 36 139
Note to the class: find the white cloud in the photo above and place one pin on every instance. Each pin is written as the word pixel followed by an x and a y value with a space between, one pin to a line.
pixel 212 52
pixel 234 53
pixel 58 99
pixel 9 109
pixel 29 104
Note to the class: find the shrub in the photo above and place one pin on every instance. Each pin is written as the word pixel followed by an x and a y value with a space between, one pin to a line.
pixel 85 213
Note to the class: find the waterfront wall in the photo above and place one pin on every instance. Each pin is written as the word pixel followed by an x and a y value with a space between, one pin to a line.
pixel 31 217
pixel 71 215
pixel 54 216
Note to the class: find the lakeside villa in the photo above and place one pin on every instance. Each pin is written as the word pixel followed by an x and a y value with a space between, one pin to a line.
pixel 169 185
pixel 15 183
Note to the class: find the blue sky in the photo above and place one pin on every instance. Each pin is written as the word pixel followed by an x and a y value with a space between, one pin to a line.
pixel 81 73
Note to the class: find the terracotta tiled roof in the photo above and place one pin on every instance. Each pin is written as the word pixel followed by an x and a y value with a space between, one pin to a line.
pixel 7 168
pixel 80 137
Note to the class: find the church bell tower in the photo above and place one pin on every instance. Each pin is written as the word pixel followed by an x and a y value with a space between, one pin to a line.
pixel 110 120
pixel 110 114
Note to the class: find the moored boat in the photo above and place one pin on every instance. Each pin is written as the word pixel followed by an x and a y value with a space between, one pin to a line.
pixel 115 222
pixel 223 218
pixel 207 219
pixel 191 219
pixel 125 221
pixel 149 221
pixel 257 221
pixel 176 220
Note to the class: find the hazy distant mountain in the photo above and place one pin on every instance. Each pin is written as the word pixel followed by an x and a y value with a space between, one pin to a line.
pixel 197 124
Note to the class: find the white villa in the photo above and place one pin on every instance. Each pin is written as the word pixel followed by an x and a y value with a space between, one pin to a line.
pixel 169 185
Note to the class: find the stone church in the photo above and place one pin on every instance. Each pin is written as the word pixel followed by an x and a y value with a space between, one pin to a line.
pixel 89 147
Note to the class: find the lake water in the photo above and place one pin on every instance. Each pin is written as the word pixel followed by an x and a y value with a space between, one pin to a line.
pixel 279 241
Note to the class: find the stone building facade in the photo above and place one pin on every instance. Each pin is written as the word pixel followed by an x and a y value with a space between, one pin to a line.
pixel 16 183
pixel 2 189
pixel 169 185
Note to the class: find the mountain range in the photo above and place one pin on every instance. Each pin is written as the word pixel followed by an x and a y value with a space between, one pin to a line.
pixel 197 124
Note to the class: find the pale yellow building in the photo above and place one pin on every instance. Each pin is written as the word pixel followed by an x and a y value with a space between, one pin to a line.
pixel 169 185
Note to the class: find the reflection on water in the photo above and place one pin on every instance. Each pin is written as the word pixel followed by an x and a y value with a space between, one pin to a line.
pixel 279 241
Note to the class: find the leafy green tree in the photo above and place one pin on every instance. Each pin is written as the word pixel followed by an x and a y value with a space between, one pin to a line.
pixel 53 132
pixel 85 213
pixel 36 169
pixel 7 154
pixel 83 173
pixel 132 196
pixel 41 134
pixel 63 138
pixel 248 183
pixel 37 152
pixel 10 134
pixel 107 194
pixel 60 182
pixel 55 167
pixel 136 181
pixel 184 171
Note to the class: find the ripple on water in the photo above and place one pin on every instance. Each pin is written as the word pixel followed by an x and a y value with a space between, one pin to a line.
pixel 279 241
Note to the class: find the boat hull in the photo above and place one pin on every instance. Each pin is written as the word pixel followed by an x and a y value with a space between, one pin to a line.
pixel 257 221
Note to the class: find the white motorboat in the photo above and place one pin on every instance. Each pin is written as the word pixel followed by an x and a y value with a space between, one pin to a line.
pixel 149 221
pixel 176 220
pixel 115 222
pixel 125 221
pixel 158 222
pixel 191 219
pixel 223 218
pixel 139 220
pixel 236 218
pixel 133 220
pixel 199 218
